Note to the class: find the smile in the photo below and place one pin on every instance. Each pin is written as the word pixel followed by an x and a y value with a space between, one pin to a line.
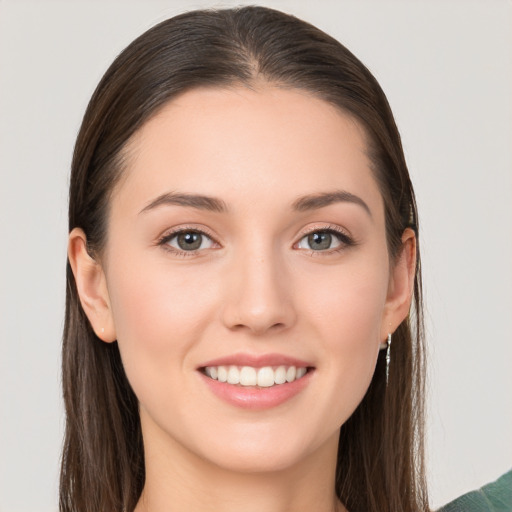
pixel 256 382
pixel 264 377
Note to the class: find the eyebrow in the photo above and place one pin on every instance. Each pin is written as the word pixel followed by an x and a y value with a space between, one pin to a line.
pixel 192 200
pixel 322 199
pixel 213 204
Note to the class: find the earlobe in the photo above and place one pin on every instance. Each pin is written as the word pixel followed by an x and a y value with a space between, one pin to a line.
pixel 401 285
pixel 91 285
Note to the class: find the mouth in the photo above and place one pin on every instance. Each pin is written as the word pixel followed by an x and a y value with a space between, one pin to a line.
pixel 257 382
pixel 256 377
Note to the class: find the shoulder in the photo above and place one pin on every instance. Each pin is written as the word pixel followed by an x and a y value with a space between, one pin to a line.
pixel 493 497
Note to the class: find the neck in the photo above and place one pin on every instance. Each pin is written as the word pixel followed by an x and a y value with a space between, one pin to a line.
pixel 178 479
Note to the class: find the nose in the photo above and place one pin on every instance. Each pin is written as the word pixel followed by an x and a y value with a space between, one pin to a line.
pixel 258 294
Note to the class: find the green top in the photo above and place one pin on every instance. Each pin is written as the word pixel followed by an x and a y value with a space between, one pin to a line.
pixel 493 497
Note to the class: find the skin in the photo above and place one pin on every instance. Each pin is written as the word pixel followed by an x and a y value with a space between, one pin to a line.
pixel 255 286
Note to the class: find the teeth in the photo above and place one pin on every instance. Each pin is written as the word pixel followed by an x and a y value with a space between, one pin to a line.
pixel 264 377
pixel 233 375
pixel 291 374
pixel 248 376
pixel 222 374
pixel 280 375
pixel 300 373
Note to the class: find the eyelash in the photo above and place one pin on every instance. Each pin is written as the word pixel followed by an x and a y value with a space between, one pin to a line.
pixel 345 240
pixel 165 239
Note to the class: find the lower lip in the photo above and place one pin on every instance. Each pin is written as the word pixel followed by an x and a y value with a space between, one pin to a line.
pixel 257 398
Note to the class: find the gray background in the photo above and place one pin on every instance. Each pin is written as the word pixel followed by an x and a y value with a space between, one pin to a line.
pixel 446 67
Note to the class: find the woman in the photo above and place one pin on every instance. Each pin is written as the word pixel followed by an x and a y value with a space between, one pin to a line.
pixel 243 257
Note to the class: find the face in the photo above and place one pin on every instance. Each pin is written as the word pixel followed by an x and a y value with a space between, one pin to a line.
pixel 246 240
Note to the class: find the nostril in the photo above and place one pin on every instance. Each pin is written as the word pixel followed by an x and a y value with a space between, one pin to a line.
pixel 258 327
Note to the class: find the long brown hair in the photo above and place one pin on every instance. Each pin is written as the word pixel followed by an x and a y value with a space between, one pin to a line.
pixel 381 454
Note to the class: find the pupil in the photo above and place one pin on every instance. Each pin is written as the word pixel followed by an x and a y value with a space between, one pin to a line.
pixel 320 240
pixel 189 241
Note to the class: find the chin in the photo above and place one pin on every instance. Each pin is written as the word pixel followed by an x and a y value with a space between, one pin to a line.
pixel 267 451
pixel 256 461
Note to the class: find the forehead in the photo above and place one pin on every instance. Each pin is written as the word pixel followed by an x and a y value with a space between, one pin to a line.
pixel 251 144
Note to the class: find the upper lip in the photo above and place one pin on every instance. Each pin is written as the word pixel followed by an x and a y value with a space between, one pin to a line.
pixel 257 361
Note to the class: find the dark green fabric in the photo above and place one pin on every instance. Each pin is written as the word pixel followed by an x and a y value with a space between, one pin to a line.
pixel 493 497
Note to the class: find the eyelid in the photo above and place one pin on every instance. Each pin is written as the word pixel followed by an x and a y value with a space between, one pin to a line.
pixel 172 232
pixel 324 227
pixel 345 238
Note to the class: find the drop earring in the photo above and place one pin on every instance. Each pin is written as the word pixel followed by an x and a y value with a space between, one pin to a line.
pixel 387 346
pixel 388 358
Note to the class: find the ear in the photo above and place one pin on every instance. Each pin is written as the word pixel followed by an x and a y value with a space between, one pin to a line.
pixel 92 286
pixel 401 285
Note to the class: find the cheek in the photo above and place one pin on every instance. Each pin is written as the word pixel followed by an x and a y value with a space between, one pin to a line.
pixel 347 310
pixel 159 313
pixel 348 304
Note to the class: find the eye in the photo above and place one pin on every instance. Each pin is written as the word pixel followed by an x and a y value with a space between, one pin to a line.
pixel 188 240
pixel 324 240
